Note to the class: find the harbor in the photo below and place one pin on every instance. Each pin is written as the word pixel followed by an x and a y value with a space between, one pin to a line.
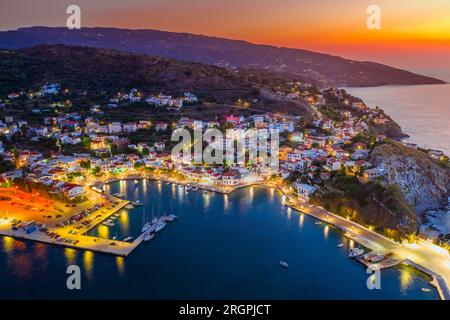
pixel 215 234
pixel 85 241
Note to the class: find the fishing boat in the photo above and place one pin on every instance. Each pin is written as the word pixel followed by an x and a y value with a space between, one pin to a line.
pixel 137 203
pixel 283 264
pixel 340 245
pixel 127 239
pixel 355 252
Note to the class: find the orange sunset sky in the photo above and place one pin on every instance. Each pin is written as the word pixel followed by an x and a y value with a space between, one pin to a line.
pixel 415 34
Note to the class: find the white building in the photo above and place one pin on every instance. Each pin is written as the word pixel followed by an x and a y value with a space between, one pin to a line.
pixel 305 191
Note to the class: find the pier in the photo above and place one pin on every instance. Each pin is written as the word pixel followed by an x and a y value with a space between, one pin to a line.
pixel 83 241
pixel 437 281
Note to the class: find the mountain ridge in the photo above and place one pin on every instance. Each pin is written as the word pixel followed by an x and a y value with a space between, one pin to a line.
pixel 318 68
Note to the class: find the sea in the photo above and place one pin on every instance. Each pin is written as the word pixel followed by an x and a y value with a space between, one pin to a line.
pixel 422 111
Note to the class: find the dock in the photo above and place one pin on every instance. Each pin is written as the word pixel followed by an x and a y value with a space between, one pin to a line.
pixel 437 280
pixel 85 242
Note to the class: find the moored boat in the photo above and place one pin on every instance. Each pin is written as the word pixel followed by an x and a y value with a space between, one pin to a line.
pixel 356 252
pixel 149 236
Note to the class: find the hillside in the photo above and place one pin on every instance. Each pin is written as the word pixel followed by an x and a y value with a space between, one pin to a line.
pixel 97 70
pixel 423 182
pixel 320 69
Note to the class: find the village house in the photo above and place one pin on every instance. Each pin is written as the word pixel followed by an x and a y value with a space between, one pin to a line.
pixel 161 126
pixel 231 178
pixel 304 191
pixel 372 174
pixel 130 127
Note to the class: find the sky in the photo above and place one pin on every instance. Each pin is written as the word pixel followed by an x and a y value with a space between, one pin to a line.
pixel 414 34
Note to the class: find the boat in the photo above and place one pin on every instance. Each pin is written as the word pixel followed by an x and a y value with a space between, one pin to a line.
pixel 170 217
pixel 129 206
pixel 340 245
pixel 127 239
pixel 108 224
pixel 356 252
pixel 283 264
pixel 318 222
pixel 145 226
pixel 149 236
pixel 160 225
pixel 426 290
pixel 189 188
pixel 137 203
pixel 195 188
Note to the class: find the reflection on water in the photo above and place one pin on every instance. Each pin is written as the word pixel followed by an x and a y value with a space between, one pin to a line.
pixel 70 255
pixel 326 230
pixel 289 212
pixel 206 200
pixel 406 278
pixel 225 201
pixel 88 262
pixel 301 220
pixel 8 244
pixel 159 184
pixel 124 222
pixel 120 263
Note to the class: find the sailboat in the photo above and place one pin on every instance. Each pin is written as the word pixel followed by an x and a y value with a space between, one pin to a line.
pixel 170 217
pixel 145 225
pixel 160 224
